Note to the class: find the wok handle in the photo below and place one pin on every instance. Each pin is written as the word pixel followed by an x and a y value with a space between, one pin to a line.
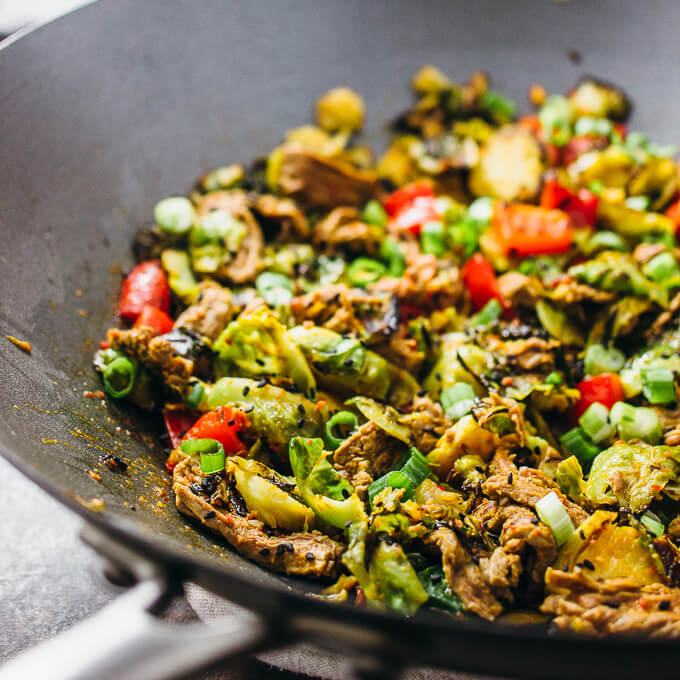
pixel 124 641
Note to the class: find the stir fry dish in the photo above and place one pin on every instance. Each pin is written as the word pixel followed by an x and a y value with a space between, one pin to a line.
pixel 444 378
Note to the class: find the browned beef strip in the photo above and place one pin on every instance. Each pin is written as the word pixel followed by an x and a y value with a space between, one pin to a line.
pixel 612 606
pixel 525 486
pixel 427 422
pixel 244 266
pixel 366 455
pixel 210 314
pixel 293 224
pixel 155 353
pixel 309 554
pixel 342 229
pixel 323 182
pixel 464 576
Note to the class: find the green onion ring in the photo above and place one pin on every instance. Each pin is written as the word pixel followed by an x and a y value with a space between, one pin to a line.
pixel 340 418
pixel 213 458
pixel 120 370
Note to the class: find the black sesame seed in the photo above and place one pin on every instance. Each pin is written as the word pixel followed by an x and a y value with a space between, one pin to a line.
pixel 421 393
pixel 438 376
pixel 345 493
pixel 230 423
pixel 289 547
pixel 210 514
pixel 309 557
pixel 582 534
pixel 261 383
pixel 510 478
pixel 664 605
pixel 588 565
pixel 249 409
pixel 264 551
pixel 348 524
pixel 246 389
pixel 280 549
pixel 301 422
pixel 301 408
pixel 435 578
pixel 259 362
pixel 612 604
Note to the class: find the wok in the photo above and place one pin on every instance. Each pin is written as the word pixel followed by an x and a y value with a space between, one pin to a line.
pixel 112 107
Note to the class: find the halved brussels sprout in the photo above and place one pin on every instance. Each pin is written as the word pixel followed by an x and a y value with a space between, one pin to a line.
pixel 610 551
pixel 599 99
pixel 261 488
pixel 257 344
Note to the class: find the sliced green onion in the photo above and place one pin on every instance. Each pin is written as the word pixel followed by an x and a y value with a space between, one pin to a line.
pixel 661 150
pixel 635 138
pixel 553 378
pixel 340 418
pixel 457 400
pixel 577 443
pixel 595 423
pixel 364 270
pixel 195 396
pixel 432 239
pixel 498 105
pixel 119 377
pixel 211 452
pixel 640 203
pixel 374 214
pixel 636 422
pixel 465 235
pixel 605 240
pixel 391 252
pixel 596 186
pixel 174 215
pixel 395 480
pixel 663 266
pixel 551 512
pixel 275 289
pixel 416 468
pixel 653 523
pixel 481 209
pixel 587 125
pixel 489 313
pixel 631 382
pixel 658 385
pixel 599 359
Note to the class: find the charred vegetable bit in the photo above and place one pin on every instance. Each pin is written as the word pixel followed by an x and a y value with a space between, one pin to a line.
pixel 447 377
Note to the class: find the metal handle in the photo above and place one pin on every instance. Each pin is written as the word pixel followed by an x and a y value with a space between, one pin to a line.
pixel 124 641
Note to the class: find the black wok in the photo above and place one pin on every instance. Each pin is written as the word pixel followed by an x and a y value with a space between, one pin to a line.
pixel 116 105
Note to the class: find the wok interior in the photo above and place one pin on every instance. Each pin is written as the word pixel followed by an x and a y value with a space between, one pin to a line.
pixel 111 108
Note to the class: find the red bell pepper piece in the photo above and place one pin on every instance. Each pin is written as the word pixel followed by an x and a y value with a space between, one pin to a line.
pixel 480 279
pixel 412 218
pixel 408 311
pixel 146 284
pixel 622 129
pixel 223 424
pixel 605 388
pixel 673 211
pixel 580 206
pixel 402 198
pixel 156 319
pixel 177 423
pixel 532 230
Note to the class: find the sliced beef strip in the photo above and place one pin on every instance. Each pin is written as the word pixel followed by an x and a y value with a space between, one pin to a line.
pixel 526 546
pixel 310 554
pixel 210 314
pixel 525 486
pixel 342 229
pixel 155 353
pixel 464 576
pixel 243 267
pixel 322 182
pixel 427 422
pixel 366 455
pixel 586 605
pixel 284 212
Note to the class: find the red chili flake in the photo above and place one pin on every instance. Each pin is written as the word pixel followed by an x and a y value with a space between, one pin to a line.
pixel 507 381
